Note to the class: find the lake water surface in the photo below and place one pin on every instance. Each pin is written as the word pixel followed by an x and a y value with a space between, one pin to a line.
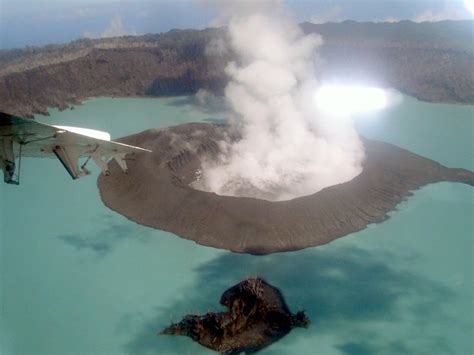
pixel 77 278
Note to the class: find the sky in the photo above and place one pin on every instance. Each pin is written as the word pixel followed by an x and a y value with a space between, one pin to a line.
pixel 39 22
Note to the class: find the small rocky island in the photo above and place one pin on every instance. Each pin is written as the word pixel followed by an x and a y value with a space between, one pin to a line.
pixel 158 193
pixel 257 316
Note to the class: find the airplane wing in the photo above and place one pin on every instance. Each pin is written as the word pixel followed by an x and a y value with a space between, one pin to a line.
pixel 20 137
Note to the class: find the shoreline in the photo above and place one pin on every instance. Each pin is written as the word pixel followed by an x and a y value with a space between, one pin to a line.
pixel 147 97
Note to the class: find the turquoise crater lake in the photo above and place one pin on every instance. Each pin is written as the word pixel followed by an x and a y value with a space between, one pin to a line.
pixel 77 278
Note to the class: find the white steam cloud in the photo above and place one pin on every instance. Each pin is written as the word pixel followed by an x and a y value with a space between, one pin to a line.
pixel 287 148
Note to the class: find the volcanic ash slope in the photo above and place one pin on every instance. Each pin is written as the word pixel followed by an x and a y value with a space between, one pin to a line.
pixel 156 192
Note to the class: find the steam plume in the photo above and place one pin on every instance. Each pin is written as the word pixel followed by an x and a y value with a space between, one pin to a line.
pixel 287 148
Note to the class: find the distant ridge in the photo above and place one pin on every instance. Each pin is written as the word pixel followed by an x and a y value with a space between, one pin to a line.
pixel 431 61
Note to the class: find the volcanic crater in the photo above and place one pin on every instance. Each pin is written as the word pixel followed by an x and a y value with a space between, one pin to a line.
pixel 157 192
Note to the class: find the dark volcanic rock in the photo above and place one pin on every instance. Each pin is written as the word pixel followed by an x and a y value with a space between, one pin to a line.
pixel 156 193
pixel 257 317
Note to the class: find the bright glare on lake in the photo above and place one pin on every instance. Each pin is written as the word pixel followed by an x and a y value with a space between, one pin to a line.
pixel 469 5
pixel 345 100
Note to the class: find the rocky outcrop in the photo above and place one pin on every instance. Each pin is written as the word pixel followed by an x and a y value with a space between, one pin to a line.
pixel 257 316
pixel 431 61
pixel 157 193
